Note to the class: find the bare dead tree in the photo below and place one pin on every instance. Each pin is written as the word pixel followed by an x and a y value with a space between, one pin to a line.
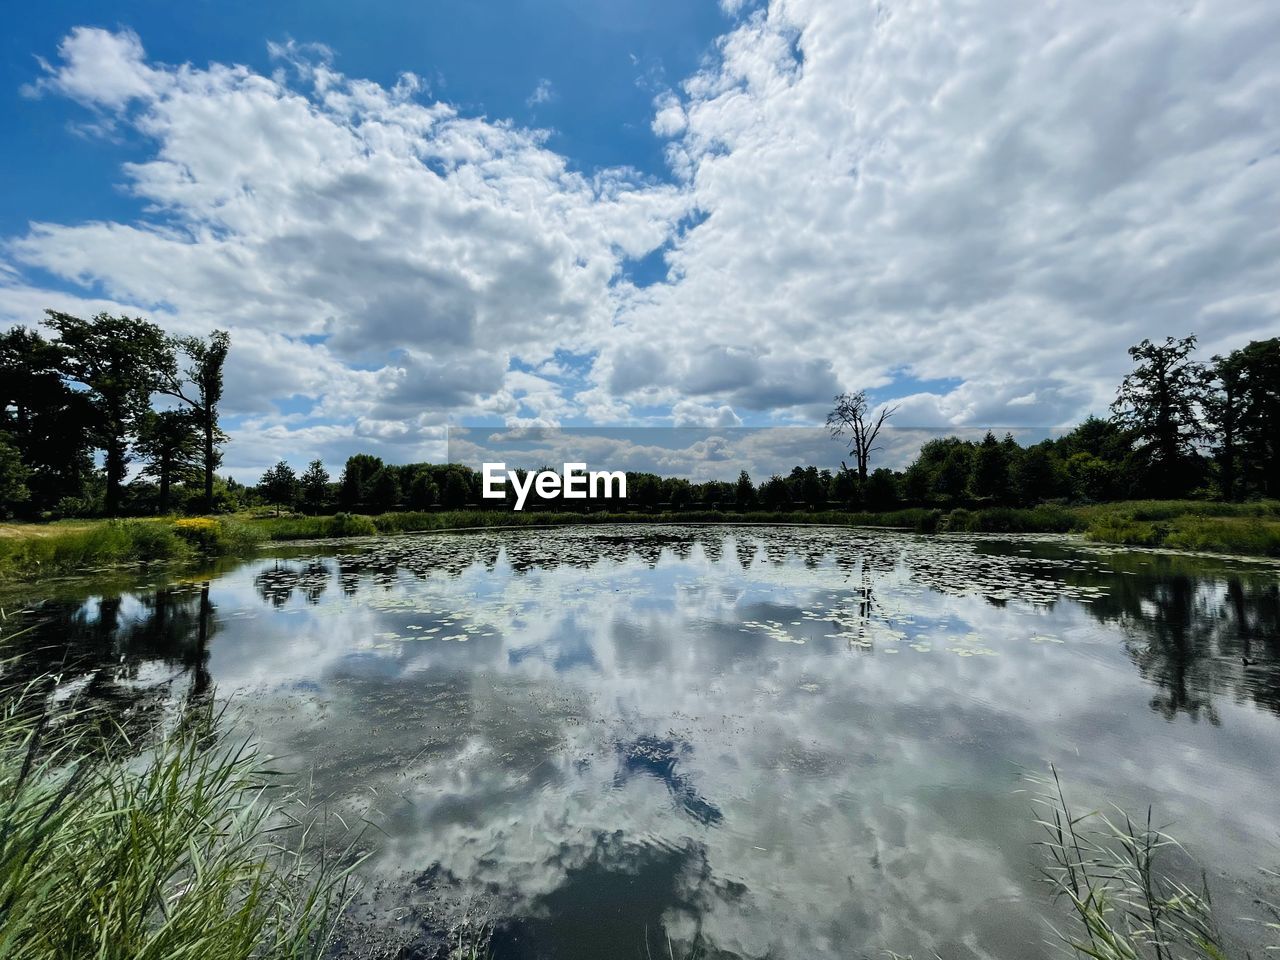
pixel 854 420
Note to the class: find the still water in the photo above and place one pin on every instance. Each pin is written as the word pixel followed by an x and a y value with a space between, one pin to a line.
pixel 785 742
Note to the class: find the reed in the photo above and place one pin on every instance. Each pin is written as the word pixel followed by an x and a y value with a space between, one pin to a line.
pixel 188 848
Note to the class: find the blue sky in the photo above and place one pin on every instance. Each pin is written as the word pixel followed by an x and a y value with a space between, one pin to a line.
pixel 604 62
pixel 645 214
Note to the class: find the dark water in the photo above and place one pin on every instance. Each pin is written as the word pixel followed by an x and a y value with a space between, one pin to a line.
pixel 783 742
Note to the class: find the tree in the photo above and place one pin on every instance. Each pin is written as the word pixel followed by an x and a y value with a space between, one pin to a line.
pixel 353 489
pixel 13 479
pixel 1245 412
pixel 843 488
pixel 774 494
pixel 990 477
pixel 423 491
pixel 881 491
pixel 170 445
pixel 853 419
pixel 744 492
pixel 1092 478
pixel 1036 474
pixel 679 493
pixel 202 391
pixel 951 480
pixel 805 485
pixel 1162 400
pixel 120 361
pixel 384 490
pixel 47 422
pixel 457 492
pixel 279 485
pixel 315 487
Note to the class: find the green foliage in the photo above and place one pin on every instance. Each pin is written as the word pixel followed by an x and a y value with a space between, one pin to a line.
pixel 119 362
pixel 990 478
pixel 1244 410
pixel 384 490
pixel 1036 474
pixel 1161 402
pixel 200 387
pixel 456 491
pixel 104 856
pixel 774 494
pixel 14 474
pixel 76 548
pixel 353 488
pixel 58 549
pixel 314 486
pixel 218 536
pixel 1245 528
pixel 1110 873
pixel 349 525
pixel 279 485
pixel 170 445
pixel 47 422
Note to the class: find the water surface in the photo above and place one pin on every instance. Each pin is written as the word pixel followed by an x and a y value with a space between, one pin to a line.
pixel 783 742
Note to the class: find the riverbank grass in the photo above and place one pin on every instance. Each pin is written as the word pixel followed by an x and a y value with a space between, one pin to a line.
pixel 174 854
pixel 30 551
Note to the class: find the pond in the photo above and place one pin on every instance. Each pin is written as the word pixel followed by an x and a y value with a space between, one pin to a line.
pixel 769 741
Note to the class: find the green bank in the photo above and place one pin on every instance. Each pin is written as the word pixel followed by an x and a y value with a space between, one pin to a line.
pixel 31 551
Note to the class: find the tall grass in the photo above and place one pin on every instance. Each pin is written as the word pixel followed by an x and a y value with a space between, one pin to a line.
pixel 1125 905
pixel 55 550
pixel 175 855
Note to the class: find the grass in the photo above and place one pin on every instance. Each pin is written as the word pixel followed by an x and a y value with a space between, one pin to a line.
pixel 1242 528
pixel 175 855
pixel 29 551
pixel 1124 904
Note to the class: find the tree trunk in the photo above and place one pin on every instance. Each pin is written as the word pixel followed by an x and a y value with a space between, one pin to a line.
pixel 208 462
pixel 115 473
pixel 164 487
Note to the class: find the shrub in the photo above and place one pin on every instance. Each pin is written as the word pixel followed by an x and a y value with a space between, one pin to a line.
pixel 350 525
pixel 217 537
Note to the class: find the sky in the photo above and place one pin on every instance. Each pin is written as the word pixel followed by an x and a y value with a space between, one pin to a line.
pixel 645 213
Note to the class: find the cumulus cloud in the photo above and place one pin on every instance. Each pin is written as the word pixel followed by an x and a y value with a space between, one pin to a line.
pixel 1002 196
pixel 1006 194
pixel 99 68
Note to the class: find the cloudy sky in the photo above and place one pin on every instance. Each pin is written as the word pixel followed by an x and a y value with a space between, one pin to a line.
pixel 646 212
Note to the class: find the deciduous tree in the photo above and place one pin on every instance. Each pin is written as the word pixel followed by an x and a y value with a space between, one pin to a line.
pixel 200 386
pixel 120 362
pixel 1162 402
pixel 170 444
pixel 852 419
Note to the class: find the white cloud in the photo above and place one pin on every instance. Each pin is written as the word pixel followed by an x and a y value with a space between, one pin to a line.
pixel 100 68
pixel 669 119
pixel 1008 194
pixel 544 92
pixel 1003 194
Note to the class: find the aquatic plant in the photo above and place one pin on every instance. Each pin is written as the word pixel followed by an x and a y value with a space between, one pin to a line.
pixel 174 854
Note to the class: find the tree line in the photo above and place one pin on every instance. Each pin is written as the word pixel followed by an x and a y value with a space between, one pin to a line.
pixel 1178 427
pixel 77 408
pixel 112 387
